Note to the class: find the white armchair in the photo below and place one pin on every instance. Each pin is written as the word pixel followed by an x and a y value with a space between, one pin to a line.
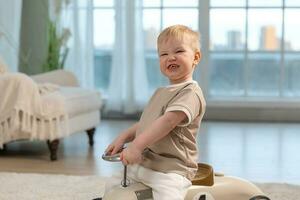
pixel 82 106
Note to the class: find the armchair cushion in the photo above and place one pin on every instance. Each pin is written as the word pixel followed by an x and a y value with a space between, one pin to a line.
pixel 79 100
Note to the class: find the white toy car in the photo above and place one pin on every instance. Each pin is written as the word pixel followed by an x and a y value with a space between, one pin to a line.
pixel 205 186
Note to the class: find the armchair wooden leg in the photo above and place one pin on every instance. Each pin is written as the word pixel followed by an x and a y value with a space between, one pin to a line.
pixel 53 146
pixel 90 134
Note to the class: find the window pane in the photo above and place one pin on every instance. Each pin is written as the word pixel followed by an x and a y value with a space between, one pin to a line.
pixel 104 30
pixel 155 78
pixel 227 29
pixel 180 3
pixel 263 74
pixel 102 63
pixel 265 27
pixel 103 3
pixel 292 39
pixel 227 3
pixel 151 22
pixel 292 83
pixel 104 36
pixel 226 77
pixel 151 3
pixel 265 3
pixel 188 17
pixel 292 2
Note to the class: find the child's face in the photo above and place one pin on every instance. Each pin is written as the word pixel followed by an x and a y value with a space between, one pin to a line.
pixel 177 59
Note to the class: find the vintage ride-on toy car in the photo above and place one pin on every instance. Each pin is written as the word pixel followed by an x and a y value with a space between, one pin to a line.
pixel 205 186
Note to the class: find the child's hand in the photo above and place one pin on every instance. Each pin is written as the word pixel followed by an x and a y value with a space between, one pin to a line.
pixel 114 147
pixel 131 155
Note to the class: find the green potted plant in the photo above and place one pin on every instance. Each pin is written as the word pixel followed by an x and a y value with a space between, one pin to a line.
pixel 57 39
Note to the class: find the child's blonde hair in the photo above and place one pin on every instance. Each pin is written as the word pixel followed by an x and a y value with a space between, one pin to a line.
pixel 179 32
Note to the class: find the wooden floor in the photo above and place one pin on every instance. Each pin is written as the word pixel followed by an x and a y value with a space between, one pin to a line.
pixel 263 152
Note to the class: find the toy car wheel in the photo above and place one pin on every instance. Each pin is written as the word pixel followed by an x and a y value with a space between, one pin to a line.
pixel 260 197
pixel 203 196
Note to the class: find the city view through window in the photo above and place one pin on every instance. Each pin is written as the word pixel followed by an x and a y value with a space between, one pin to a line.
pixel 252 51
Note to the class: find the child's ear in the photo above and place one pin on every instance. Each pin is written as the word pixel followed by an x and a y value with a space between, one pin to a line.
pixel 197 57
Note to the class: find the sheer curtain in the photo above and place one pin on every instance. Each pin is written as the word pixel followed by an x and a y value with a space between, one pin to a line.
pixel 128 89
pixel 10 24
pixel 78 16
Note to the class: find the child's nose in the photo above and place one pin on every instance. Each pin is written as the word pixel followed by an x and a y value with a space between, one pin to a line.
pixel 172 57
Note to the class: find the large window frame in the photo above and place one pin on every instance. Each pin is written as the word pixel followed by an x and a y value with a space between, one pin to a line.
pixel 247 53
pixel 202 74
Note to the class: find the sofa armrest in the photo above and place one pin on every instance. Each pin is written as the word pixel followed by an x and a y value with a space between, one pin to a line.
pixel 59 77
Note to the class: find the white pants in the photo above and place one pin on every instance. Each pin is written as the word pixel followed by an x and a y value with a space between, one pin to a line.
pixel 165 186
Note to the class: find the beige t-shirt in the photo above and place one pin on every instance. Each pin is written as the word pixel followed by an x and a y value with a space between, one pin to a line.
pixel 176 152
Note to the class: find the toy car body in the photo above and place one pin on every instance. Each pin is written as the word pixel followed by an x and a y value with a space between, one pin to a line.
pixel 205 186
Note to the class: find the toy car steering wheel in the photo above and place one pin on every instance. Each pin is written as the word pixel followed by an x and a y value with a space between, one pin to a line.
pixel 112 158
pixel 116 158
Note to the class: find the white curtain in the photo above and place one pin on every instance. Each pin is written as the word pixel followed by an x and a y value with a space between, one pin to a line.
pixel 128 89
pixel 79 17
pixel 10 24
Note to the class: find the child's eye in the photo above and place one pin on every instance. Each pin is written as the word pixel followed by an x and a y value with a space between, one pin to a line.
pixel 179 51
pixel 163 54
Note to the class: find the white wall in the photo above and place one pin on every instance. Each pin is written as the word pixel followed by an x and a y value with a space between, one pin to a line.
pixel 33 36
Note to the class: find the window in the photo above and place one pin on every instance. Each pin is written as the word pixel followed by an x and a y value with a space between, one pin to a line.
pixel 104 35
pixel 253 46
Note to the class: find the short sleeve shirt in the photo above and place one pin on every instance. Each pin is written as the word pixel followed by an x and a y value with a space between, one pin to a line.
pixel 177 151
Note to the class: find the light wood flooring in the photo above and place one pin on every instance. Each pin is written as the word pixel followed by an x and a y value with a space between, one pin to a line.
pixel 263 152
